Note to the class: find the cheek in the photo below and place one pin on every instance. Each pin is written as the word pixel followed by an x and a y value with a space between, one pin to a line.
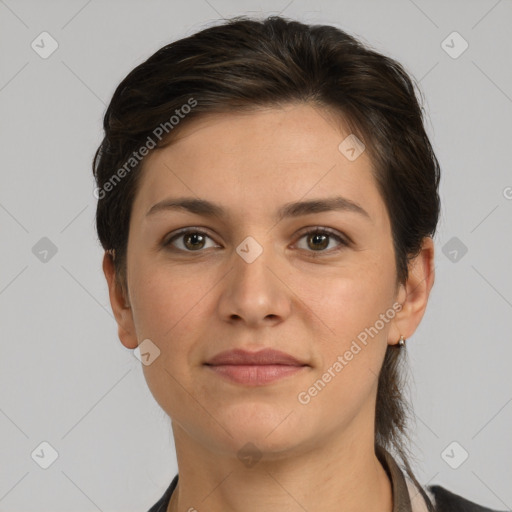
pixel 164 298
pixel 165 305
pixel 356 305
pixel 169 310
pixel 349 299
pixel 350 358
pixel 171 307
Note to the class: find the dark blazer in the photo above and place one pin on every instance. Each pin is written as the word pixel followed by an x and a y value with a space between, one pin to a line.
pixel 446 500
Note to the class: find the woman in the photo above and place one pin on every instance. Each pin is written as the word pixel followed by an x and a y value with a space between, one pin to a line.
pixel 267 198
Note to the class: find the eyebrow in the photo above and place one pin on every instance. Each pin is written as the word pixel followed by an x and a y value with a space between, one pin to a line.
pixel 296 209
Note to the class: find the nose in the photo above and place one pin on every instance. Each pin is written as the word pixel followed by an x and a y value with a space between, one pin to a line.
pixel 255 292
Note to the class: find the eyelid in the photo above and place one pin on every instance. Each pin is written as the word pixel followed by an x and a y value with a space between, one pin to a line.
pixel 183 231
pixel 322 229
pixel 343 239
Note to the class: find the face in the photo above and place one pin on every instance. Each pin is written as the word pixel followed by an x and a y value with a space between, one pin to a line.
pixel 310 282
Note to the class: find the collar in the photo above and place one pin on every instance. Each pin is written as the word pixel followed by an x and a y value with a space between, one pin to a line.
pixel 406 496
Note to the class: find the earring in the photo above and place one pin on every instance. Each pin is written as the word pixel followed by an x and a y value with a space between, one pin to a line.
pixel 401 341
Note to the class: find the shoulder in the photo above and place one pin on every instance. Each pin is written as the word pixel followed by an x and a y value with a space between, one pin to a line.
pixel 448 501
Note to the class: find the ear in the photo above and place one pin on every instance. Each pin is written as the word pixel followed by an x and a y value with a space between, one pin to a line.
pixel 414 294
pixel 121 309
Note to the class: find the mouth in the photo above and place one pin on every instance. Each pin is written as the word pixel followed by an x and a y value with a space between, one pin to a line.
pixel 255 368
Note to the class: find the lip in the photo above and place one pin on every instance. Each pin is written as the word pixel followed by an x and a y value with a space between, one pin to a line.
pixel 267 356
pixel 255 368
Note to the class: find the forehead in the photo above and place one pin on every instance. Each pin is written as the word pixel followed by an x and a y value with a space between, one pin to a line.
pixel 256 160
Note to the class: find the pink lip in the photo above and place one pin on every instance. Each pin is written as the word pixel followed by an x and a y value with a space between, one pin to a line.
pixel 255 368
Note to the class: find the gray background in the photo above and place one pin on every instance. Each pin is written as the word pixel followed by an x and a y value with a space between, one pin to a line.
pixel 64 376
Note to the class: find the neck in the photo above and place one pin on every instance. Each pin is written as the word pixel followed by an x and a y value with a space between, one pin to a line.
pixel 329 477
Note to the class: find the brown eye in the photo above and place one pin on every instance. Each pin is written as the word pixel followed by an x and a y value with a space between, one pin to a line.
pixel 188 241
pixel 194 241
pixel 318 240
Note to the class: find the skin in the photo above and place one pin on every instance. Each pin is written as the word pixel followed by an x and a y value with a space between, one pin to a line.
pixel 194 304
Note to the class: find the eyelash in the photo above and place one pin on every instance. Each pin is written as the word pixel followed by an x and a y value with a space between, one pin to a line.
pixel 314 254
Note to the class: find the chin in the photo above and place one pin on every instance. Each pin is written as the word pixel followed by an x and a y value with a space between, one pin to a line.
pixel 254 445
pixel 267 426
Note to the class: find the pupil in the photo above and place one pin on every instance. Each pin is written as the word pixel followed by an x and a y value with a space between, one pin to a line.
pixel 195 237
pixel 315 237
